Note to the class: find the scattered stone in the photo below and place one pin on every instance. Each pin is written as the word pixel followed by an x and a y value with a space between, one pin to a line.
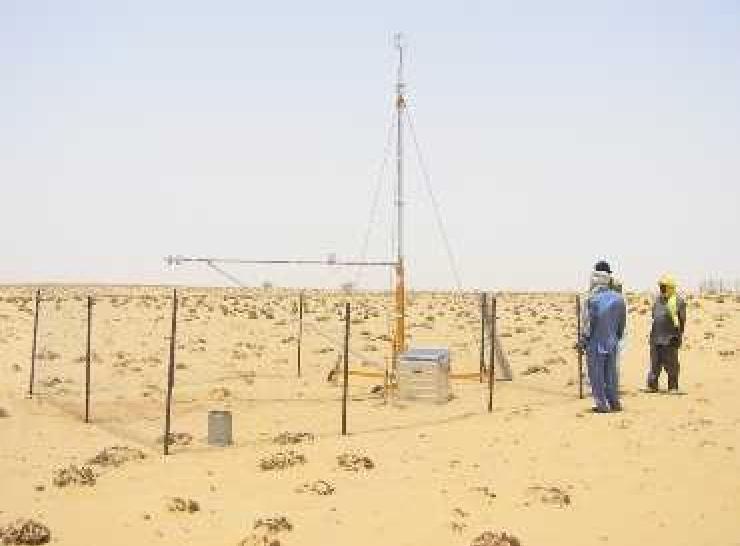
pixel 282 460
pixel 4 414
pixel 25 531
pixel 179 504
pixel 73 475
pixel 489 538
pixel 292 438
pixel 353 462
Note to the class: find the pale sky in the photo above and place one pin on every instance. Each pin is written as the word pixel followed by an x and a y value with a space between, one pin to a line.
pixel 555 133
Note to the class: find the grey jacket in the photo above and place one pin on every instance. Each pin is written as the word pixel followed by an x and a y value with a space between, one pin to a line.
pixel 663 331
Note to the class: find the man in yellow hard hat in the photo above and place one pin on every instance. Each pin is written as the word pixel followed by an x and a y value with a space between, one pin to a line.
pixel 666 335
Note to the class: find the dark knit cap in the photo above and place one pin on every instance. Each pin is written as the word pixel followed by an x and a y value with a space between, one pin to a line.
pixel 603 266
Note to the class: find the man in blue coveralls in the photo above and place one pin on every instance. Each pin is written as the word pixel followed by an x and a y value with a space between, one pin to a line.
pixel 602 332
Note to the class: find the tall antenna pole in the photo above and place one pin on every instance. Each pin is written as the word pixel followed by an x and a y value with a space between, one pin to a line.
pixel 399 341
pixel 400 105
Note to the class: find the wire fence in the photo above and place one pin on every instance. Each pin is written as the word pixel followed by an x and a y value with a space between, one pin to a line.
pixel 718 286
pixel 106 356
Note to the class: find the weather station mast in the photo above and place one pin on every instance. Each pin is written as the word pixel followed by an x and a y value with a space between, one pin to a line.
pixel 399 334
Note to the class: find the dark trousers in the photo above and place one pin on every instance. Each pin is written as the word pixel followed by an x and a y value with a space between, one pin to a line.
pixel 663 357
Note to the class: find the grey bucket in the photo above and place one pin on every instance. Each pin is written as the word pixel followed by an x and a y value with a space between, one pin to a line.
pixel 219 428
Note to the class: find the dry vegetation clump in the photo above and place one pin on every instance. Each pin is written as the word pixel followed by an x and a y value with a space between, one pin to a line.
pixel 486 490
pixel 266 531
pixel 219 394
pixel 4 414
pixel 48 355
pixel 52 382
pixel 74 475
pixel 179 504
pixel 319 487
pixel 555 360
pixel 116 456
pixel 25 531
pixel 259 539
pixel 275 524
pixel 282 460
pixel 553 496
pixel 535 368
pixel 291 438
pixel 354 462
pixel 178 439
pixel 489 538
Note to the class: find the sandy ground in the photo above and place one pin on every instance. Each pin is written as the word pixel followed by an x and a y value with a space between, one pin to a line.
pixel 541 466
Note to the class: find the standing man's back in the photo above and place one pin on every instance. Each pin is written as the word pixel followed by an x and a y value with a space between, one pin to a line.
pixel 607 317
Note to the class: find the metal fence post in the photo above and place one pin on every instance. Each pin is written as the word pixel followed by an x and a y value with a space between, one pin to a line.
pixel 170 374
pixel 578 346
pixel 88 358
pixel 300 330
pixel 492 363
pixel 345 368
pixel 483 309
pixel 33 343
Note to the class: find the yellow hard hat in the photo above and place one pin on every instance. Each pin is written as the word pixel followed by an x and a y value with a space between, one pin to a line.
pixel 667 280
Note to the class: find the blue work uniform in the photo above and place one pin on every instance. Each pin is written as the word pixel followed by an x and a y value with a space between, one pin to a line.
pixel 607 313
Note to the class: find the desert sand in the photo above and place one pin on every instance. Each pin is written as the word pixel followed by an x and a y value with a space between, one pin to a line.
pixel 540 467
